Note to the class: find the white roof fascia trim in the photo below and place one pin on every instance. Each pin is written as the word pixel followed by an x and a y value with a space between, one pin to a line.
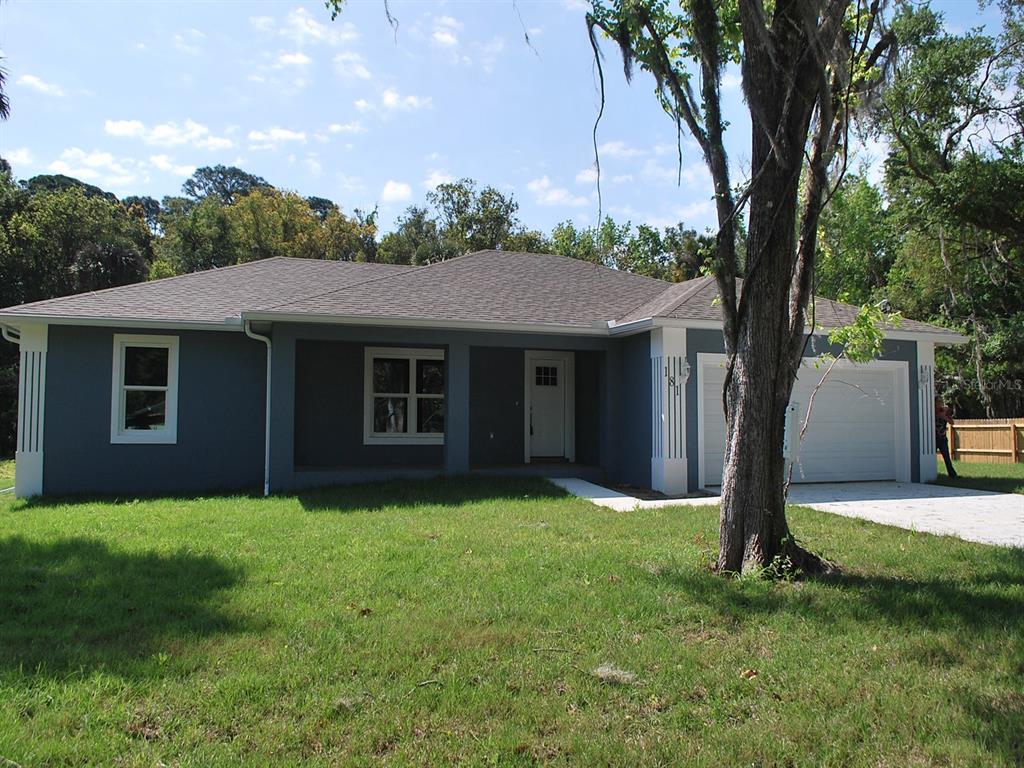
pixel 939 337
pixel 229 324
pixel 597 329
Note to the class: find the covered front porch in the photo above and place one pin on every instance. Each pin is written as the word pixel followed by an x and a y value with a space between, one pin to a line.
pixel 363 403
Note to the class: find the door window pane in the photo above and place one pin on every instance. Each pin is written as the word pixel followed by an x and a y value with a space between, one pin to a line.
pixel 390 375
pixel 389 414
pixel 146 366
pixel 430 414
pixel 546 376
pixel 144 409
pixel 430 377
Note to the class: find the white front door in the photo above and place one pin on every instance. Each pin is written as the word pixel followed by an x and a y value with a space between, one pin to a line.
pixel 547 408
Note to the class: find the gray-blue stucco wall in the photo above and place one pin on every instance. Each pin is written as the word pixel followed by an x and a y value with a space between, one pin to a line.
pixel 713 342
pixel 221 380
pixel 612 413
pixel 634 415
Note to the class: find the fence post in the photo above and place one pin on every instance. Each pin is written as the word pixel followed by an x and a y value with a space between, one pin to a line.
pixel 1014 445
pixel 951 437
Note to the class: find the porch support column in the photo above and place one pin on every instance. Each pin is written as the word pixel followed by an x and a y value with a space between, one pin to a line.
pixel 28 477
pixel 926 409
pixel 668 410
pixel 456 401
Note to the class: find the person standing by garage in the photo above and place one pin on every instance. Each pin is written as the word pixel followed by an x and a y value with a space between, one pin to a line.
pixel 943 417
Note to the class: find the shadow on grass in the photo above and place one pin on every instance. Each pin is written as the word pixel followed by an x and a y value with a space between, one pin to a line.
pixel 76 604
pixel 449 492
pixel 445 491
pixel 988 600
pixel 999 720
pixel 994 483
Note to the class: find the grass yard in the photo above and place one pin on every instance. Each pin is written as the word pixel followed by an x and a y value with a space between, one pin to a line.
pixel 6 473
pixel 1004 478
pixel 463 621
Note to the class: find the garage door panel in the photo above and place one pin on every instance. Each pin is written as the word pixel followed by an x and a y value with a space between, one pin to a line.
pixel 852 435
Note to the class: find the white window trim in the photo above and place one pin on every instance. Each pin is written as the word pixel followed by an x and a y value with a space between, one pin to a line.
pixel 169 434
pixel 391 438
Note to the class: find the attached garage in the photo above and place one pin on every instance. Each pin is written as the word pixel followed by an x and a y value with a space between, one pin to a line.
pixel 859 429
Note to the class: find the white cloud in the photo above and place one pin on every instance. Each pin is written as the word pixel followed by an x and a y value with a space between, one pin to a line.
pixel 164 163
pixel 395 192
pixel 546 194
pixel 301 27
pixel 262 23
pixel 622 178
pixel 353 127
pixel 487 53
pixel 586 176
pixel 351 65
pixel 168 134
pixel 445 31
pixel 576 5
pixel 731 81
pixel 297 59
pixel 40 85
pixel 96 166
pixel 619 149
pixel 129 128
pixel 271 137
pixel 350 184
pixel 657 173
pixel 312 162
pixel 392 101
pixel 21 156
pixel 435 178
pixel 692 215
pixel 188 41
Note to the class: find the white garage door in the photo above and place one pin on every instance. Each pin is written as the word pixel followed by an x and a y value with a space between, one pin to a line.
pixel 857 429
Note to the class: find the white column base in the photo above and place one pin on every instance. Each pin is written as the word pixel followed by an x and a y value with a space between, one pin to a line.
pixel 668 476
pixel 28 474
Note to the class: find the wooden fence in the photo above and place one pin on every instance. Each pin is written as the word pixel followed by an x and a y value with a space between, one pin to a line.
pixel 987 441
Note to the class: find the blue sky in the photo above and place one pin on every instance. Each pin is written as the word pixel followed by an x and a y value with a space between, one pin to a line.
pixel 134 96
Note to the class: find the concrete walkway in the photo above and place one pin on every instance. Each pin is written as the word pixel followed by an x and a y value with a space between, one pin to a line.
pixel 982 516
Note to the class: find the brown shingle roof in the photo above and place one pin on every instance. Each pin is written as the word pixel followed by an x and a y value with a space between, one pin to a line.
pixel 213 296
pixel 486 286
pixel 698 300
pixel 492 286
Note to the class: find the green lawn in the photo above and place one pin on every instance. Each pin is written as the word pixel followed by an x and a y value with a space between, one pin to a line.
pixel 1005 478
pixel 6 473
pixel 435 622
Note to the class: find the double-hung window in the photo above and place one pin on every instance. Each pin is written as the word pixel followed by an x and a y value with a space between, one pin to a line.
pixel 403 396
pixel 144 398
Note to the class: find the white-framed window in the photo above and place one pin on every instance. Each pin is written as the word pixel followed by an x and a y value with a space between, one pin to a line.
pixel 403 396
pixel 144 396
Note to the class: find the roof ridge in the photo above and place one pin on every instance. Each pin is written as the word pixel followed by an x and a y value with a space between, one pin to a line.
pixel 411 269
pixel 151 282
pixel 295 299
pixel 702 281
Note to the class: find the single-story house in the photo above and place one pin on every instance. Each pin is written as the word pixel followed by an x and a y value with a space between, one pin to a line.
pixel 295 373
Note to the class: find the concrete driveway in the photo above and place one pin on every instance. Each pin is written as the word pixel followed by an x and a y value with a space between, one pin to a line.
pixel 989 518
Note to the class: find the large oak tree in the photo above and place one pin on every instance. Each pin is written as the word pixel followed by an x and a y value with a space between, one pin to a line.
pixel 805 65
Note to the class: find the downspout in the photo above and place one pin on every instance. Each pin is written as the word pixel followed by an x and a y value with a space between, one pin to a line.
pixel 266 429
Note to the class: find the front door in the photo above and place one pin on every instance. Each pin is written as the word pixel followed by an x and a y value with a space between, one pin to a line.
pixel 547 408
